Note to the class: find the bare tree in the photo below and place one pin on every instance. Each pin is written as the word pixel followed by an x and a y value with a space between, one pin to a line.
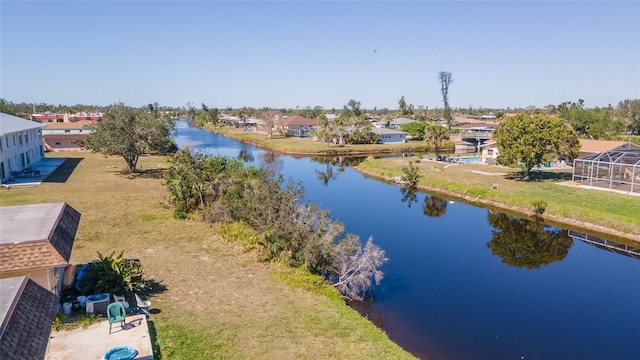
pixel 446 79
pixel 357 268
pixel 271 118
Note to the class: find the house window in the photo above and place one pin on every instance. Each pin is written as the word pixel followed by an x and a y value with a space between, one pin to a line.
pixel 20 138
pixel 490 151
pixel 67 131
pixel 57 142
pixel 26 137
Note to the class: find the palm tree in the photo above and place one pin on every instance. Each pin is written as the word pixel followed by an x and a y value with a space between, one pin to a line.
pixel 436 134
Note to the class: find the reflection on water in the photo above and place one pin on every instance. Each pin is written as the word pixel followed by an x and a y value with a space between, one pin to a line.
pixel 409 195
pixel 525 243
pixel 245 154
pixel 434 206
pixel 271 162
pixel 326 175
pixel 615 247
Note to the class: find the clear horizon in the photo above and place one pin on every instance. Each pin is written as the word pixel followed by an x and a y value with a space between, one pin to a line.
pixel 317 53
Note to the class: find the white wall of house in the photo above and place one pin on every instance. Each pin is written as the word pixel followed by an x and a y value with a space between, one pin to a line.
pixel 392 138
pixel 20 144
pixel 389 136
pixel 84 131
pixel 489 152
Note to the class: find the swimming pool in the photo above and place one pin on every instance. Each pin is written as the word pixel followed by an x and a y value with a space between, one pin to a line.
pixel 469 159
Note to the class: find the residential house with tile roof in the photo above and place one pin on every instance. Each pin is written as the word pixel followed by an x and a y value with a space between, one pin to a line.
pixel 21 145
pixel 589 146
pixel 298 126
pixel 27 311
pixel 64 135
pixel 36 240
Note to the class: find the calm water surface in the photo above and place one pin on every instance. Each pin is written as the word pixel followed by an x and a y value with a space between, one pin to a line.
pixel 457 285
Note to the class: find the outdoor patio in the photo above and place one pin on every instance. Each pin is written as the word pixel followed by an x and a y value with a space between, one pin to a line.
pixel 36 173
pixel 94 341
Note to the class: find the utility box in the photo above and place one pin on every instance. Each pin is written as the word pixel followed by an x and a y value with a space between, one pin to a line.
pixel 97 304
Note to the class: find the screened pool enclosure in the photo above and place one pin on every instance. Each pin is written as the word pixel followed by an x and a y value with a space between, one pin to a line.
pixel 614 169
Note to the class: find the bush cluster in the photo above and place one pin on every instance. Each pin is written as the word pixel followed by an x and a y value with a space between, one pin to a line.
pixel 282 228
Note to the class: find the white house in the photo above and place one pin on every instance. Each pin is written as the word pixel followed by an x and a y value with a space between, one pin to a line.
pixel 489 152
pixel 20 144
pixel 390 136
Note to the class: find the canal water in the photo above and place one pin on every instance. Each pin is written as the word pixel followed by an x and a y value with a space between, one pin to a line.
pixel 463 282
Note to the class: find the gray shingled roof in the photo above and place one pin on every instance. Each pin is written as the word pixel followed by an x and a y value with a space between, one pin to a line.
pixel 10 124
pixel 27 311
pixel 385 131
pixel 37 235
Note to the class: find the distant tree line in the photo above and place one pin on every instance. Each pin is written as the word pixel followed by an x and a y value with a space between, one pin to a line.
pixel 594 123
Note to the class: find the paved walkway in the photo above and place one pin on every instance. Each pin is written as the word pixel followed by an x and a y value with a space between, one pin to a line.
pixel 94 341
pixel 45 167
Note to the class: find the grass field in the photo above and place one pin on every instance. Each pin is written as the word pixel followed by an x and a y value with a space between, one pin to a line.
pixel 598 211
pixel 214 300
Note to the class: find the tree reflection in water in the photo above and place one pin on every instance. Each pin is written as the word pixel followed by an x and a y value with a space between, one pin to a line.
pixel 526 243
pixel 409 195
pixel 270 161
pixel 434 206
pixel 245 154
pixel 327 175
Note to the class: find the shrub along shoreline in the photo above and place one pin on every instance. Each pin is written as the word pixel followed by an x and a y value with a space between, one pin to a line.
pixel 213 298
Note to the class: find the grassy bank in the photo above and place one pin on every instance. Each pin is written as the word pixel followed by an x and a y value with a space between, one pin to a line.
pixel 214 300
pixel 306 146
pixel 600 212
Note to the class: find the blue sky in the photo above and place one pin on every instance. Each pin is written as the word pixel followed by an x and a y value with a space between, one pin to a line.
pixel 304 53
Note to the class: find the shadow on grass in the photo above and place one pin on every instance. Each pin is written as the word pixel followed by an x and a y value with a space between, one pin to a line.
pixel 145 174
pixel 155 343
pixel 539 176
pixel 154 288
pixel 62 173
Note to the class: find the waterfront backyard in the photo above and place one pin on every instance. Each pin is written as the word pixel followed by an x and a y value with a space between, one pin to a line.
pixel 212 299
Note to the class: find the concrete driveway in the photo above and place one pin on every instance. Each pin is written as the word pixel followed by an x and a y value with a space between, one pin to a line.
pixel 94 341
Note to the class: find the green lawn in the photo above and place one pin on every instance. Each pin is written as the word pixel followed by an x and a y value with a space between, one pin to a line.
pixel 214 299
